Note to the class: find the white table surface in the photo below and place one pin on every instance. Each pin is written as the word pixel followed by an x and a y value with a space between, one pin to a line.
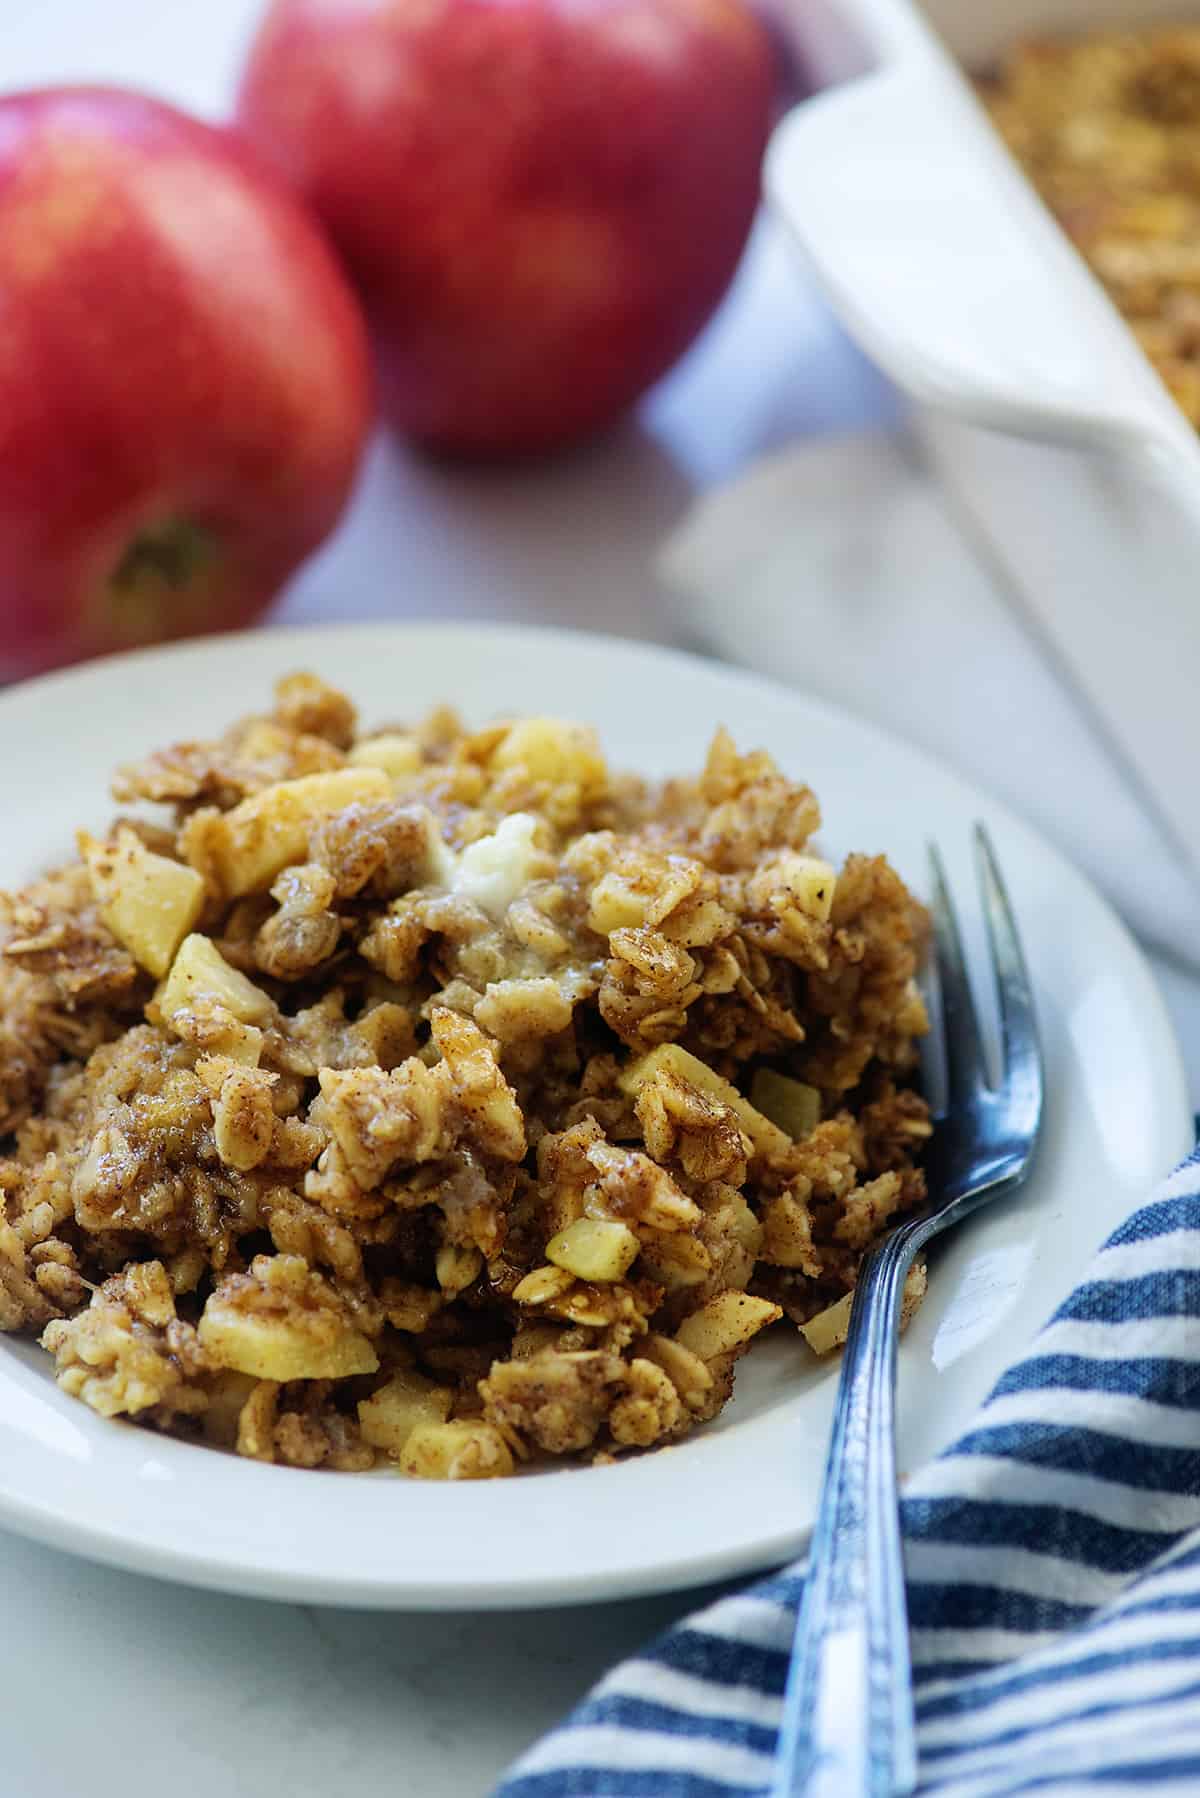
pixel 114 1682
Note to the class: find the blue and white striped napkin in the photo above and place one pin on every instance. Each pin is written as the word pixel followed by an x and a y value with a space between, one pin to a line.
pixel 1053 1560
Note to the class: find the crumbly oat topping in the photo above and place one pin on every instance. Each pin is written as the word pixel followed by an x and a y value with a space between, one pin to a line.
pixel 437 1097
pixel 1107 127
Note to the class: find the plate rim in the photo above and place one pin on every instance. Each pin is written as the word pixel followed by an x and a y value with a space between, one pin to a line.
pixel 118 1546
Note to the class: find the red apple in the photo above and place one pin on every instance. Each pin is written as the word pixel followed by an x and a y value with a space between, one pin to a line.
pixel 540 201
pixel 184 378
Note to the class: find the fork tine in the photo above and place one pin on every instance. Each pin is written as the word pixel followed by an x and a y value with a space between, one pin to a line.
pixel 1022 1063
pixel 966 1070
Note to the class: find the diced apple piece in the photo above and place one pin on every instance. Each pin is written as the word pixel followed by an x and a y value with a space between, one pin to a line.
pixel 553 749
pixel 462 1450
pixel 456 1267
pixel 793 1105
pixel 255 841
pixel 812 883
pixel 726 1324
pixel 148 901
pixel 618 902
pixel 643 891
pixel 676 1259
pixel 802 883
pixel 914 1291
pixel 742 1224
pixel 827 1330
pixel 543 1285
pixel 200 971
pixel 594 1248
pixel 388 1418
pixel 392 750
pixel 787 1234
pixel 274 1348
pixel 669 1058
pixel 240 1042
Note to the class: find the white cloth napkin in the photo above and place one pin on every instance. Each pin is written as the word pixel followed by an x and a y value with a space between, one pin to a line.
pixel 836 565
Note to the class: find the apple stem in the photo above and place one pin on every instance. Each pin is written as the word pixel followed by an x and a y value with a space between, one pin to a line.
pixel 163 565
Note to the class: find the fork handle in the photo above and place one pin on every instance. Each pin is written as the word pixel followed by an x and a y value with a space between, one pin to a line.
pixel 847 1729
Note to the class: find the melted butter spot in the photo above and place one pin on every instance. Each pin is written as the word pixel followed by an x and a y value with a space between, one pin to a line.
pixel 494 870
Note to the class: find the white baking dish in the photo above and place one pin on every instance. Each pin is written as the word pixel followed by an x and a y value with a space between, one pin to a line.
pixel 1033 399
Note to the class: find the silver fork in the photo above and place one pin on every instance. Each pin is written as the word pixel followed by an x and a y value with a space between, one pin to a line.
pixel 847 1729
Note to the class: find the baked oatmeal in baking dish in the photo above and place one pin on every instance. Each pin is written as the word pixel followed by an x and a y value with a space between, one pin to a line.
pixel 436 1096
pixel 1107 127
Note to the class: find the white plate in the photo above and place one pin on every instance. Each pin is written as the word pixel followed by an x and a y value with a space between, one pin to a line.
pixel 741 1493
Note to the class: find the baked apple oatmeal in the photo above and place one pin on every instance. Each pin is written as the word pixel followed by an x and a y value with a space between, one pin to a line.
pixel 1107 127
pixel 437 1097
